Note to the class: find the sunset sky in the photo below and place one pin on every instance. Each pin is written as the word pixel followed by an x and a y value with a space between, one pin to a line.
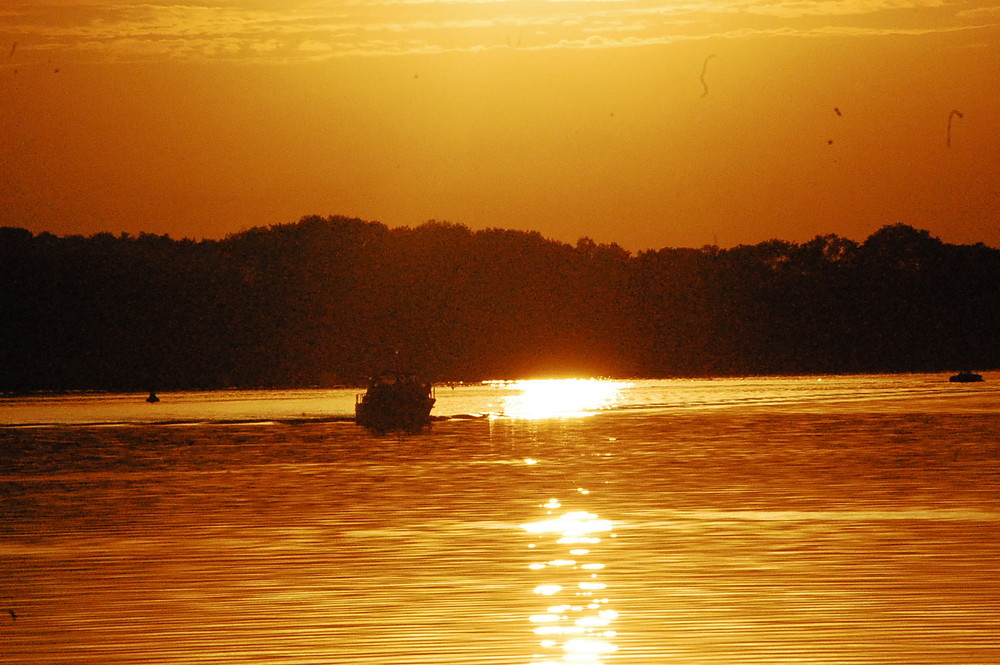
pixel 651 124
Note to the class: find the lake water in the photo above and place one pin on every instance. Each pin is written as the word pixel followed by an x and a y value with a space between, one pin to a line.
pixel 846 520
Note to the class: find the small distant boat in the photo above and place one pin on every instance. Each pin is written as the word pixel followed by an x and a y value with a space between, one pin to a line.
pixel 966 377
pixel 395 401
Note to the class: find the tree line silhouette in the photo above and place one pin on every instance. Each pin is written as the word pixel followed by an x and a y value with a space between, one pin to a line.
pixel 327 301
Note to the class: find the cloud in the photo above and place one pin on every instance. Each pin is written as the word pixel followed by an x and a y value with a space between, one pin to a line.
pixel 798 8
pixel 313 46
pixel 265 46
pixel 355 28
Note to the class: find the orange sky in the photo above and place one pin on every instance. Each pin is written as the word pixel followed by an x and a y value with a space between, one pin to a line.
pixel 569 118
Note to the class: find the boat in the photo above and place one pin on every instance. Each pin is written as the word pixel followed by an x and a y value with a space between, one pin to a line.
pixel 394 401
pixel 966 377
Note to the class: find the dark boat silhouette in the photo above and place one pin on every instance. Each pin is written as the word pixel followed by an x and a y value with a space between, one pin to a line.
pixel 395 401
pixel 966 377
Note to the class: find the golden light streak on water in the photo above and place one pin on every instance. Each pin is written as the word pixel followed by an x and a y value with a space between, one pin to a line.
pixel 575 631
pixel 573 524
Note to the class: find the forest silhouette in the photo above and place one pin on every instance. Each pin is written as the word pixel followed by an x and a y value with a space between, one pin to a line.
pixel 327 301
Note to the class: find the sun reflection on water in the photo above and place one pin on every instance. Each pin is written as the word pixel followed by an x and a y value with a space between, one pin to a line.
pixel 559 398
pixel 577 629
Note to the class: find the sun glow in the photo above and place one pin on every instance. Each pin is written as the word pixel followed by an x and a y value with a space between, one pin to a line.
pixel 560 398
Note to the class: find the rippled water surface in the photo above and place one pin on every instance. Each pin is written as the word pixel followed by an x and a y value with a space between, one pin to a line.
pixel 792 520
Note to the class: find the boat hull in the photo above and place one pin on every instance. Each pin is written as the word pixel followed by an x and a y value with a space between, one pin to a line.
pixel 394 415
pixel 395 401
pixel 966 377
